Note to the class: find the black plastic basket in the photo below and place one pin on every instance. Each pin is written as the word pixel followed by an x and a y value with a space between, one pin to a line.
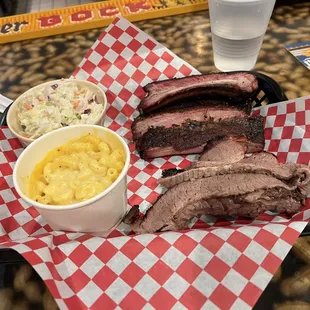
pixel 269 92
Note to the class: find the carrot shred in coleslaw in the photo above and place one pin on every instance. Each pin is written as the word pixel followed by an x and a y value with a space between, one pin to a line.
pixel 62 104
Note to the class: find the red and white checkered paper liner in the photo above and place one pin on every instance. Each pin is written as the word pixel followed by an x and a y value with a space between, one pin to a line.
pixel 221 264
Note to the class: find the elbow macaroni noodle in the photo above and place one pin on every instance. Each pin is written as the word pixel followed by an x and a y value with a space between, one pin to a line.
pixel 76 171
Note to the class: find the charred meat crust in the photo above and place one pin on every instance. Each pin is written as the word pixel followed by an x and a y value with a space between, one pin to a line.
pixel 171 172
pixel 181 116
pixel 193 134
pixel 132 215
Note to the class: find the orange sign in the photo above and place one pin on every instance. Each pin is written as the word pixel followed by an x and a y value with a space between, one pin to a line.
pixel 92 15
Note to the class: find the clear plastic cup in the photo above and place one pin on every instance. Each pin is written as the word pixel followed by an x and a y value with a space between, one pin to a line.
pixel 238 28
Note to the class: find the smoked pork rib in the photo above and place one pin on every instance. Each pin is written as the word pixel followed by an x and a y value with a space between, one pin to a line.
pixel 192 137
pixel 216 85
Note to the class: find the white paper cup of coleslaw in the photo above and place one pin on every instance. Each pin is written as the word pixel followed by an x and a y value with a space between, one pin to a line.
pixel 13 118
pixel 98 215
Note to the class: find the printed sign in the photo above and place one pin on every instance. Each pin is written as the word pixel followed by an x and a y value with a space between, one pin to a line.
pixel 301 51
pixel 92 15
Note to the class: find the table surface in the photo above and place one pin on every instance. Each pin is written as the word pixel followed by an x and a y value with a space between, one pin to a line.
pixel 28 63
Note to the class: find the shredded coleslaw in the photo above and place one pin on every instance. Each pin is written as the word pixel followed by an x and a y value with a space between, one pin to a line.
pixel 58 105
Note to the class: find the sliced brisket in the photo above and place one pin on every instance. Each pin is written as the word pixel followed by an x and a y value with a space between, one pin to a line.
pixel 216 85
pixel 286 172
pixel 215 195
pixel 224 149
pixel 280 200
pixel 262 158
pixel 192 136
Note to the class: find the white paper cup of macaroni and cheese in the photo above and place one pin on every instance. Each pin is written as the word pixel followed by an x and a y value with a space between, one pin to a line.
pixel 97 215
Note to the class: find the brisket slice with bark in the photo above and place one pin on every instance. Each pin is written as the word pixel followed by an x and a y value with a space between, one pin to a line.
pixel 225 149
pixel 191 137
pixel 177 117
pixel 222 160
pixel 221 195
pixel 262 158
pixel 153 152
pixel 216 85
pixel 298 174
pixel 247 205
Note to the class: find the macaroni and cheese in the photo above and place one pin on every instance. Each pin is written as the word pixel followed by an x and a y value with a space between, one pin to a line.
pixel 76 171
